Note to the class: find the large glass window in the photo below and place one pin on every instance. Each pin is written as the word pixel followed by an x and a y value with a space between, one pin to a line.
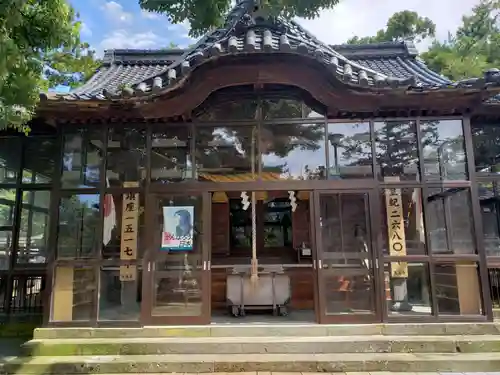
pixel 287 109
pixel 82 158
pixel 402 228
pixel 9 159
pixel 78 229
pixel 73 293
pixel 486 142
pixel 171 155
pixel 350 151
pixel 443 150
pixel 126 160
pixel 396 150
pixel 34 229
pixel 119 299
pixel 7 210
pixel 226 154
pixel 408 295
pixel 39 162
pixel 457 287
pixel 115 232
pixel 221 109
pixel 293 151
pixel 449 221
pixel 489 202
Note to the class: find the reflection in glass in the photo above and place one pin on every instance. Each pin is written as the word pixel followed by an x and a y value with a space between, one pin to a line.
pixel 126 160
pixel 408 295
pixel 177 277
pixel 345 242
pixel 112 226
pixel 396 150
pixel 294 151
pixel 79 220
pixel 83 152
pixel 9 159
pixel 226 154
pixel 7 207
pixel 171 155
pixel 448 216
pixel 233 109
pixel 119 300
pixel 40 155
pixel 489 201
pixel 73 294
pixel 350 151
pixel 486 143
pixel 287 109
pixel 457 288
pixel 402 213
pixel 443 150
pixel 34 228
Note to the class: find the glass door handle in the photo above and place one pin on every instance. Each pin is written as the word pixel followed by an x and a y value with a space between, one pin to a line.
pixel 320 264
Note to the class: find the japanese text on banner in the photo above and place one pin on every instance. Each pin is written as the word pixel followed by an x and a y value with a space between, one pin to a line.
pixel 396 231
pixel 128 248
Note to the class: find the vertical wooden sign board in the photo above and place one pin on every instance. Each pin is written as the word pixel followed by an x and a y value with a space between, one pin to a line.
pixel 396 231
pixel 129 232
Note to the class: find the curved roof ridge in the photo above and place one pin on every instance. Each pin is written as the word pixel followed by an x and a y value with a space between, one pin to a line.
pixel 247 31
pixel 237 12
pixel 431 72
pixel 243 32
pixel 334 52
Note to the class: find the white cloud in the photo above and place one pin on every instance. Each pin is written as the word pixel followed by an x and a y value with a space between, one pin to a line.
pixel 116 13
pixel 150 15
pixel 85 30
pixel 124 39
pixel 366 17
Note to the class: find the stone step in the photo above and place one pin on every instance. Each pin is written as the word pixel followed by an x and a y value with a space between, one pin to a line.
pixel 170 363
pixel 262 345
pixel 256 330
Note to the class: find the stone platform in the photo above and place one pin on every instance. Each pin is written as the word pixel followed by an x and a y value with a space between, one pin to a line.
pixel 453 347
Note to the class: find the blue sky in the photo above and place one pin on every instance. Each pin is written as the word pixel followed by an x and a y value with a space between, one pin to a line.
pixel 122 24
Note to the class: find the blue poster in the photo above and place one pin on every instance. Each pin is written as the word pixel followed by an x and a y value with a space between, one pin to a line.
pixel 178 223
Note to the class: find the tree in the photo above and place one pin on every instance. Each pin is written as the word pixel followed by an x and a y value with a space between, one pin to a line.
pixel 405 25
pixel 70 67
pixel 214 11
pixel 37 37
pixel 474 48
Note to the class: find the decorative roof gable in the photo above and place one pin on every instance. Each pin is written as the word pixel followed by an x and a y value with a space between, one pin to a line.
pixel 379 67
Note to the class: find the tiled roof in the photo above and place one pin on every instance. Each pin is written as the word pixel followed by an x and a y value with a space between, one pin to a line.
pixel 127 73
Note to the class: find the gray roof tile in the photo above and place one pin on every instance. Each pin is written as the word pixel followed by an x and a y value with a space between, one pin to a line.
pixel 380 66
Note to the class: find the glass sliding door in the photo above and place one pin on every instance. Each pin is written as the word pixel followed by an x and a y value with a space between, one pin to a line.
pixel 177 277
pixel 346 265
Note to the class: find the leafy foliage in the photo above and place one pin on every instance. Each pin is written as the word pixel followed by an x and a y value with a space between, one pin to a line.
pixel 70 67
pixel 405 25
pixel 473 49
pixel 35 35
pixel 469 52
pixel 214 11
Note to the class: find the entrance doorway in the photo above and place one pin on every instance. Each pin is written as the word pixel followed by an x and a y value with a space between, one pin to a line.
pixel 277 233
pixel 347 269
pixel 316 258
pixel 176 285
